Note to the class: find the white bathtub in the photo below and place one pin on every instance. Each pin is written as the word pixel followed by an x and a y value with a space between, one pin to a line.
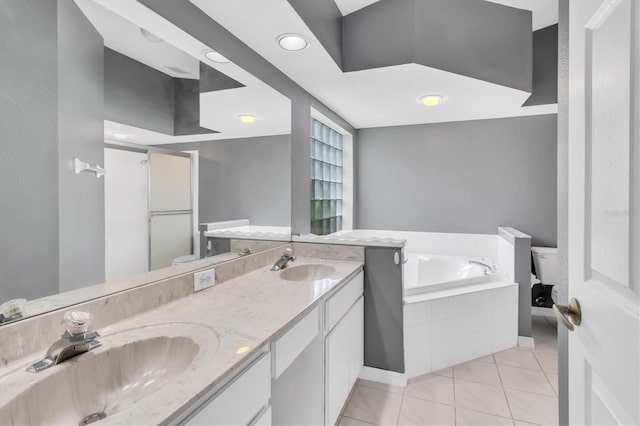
pixel 454 312
pixel 426 273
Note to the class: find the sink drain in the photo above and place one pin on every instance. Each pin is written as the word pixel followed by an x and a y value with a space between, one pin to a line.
pixel 92 418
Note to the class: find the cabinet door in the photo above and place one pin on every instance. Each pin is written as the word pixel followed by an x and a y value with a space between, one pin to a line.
pixel 356 341
pixel 337 370
pixel 241 401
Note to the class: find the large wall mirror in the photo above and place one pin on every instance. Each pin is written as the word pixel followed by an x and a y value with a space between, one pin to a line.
pixel 121 135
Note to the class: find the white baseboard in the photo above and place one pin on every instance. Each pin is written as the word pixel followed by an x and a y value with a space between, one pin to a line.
pixel 383 376
pixel 545 312
pixel 526 342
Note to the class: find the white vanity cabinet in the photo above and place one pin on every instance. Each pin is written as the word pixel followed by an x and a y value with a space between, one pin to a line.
pixel 242 401
pixel 303 376
pixel 344 345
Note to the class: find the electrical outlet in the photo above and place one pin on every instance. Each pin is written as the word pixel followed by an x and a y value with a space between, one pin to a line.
pixel 204 279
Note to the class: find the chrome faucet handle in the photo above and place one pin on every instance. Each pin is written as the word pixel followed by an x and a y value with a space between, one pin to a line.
pixel 288 252
pixel 77 322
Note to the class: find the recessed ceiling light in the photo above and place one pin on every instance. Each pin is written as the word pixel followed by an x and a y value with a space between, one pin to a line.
pixel 431 100
pixel 120 135
pixel 247 118
pixel 214 56
pixel 150 36
pixel 292 42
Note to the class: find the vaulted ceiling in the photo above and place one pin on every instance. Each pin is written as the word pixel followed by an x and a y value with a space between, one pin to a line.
pixel 372 65
pixel 370 61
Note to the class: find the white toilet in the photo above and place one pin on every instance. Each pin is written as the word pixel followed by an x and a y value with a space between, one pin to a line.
pixel 545 260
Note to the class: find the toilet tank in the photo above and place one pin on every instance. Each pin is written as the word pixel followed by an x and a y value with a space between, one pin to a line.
pixel 545 260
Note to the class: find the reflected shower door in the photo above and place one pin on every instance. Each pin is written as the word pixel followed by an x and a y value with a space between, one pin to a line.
pixel 170 209
pixel 126 212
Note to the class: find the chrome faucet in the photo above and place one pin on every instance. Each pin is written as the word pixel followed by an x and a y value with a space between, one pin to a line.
pixel 489 269
pixel 287 256
pixel 75 341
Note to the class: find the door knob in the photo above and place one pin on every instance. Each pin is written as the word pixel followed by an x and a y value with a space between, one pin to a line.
pixel 570 315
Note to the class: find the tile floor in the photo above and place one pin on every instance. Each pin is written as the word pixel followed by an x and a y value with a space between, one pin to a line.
pixel 517 387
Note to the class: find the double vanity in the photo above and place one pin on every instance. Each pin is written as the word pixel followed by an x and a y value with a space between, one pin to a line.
pixel 265 347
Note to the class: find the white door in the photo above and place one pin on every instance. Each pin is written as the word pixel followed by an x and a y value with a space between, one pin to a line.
pixel 337 370
pixel 604 223
pixel 126 206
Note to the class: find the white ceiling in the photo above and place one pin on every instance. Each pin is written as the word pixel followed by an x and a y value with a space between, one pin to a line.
pixel 120 22
pixel 273 113
pixel 371 98
pixel 123 36
pixel 348 6
pixel 544 12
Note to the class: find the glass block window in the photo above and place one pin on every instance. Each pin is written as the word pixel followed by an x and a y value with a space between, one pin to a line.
pixel 326 179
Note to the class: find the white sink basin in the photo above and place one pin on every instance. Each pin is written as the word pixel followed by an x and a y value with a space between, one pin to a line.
pixel 308 272
pixel 130 365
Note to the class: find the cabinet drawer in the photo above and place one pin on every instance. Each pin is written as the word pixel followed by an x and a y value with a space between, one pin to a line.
pixel 291 344
pixel 241 401
pixel 339 303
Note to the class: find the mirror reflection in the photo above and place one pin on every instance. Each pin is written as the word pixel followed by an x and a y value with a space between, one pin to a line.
pixel 129 146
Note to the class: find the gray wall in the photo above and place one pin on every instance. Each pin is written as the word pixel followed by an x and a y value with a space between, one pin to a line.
pixel 137 94
pixel 544 89
pixel 325 22
pixel 80 134
pixel 468 177
pixel 192 20
pixel 28 170
pixel 383 313
pixel 51 100
pixel 460 36
pixel 244 178
pixel 186 113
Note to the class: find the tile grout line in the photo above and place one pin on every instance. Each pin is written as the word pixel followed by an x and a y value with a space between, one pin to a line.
pixel 553 388
pixel 504 391
pixel 540 364
pixel 404 391
pixel 400 410
pixel 544 373
pixel 455 407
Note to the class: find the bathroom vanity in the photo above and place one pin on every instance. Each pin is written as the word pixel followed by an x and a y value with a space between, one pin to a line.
pixel 264 347
pixel 337 322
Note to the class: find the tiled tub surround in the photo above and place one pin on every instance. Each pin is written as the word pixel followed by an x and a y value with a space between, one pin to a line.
pixel 449 327
pixel 446 244
pixel 488 246
pixel 457 320
pixel 249 310
pixel 456 324
pixel 127 298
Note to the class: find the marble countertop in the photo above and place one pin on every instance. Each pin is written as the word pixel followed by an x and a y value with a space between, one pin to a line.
pixel 352 238
pixel 245 312
pixel 253 232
